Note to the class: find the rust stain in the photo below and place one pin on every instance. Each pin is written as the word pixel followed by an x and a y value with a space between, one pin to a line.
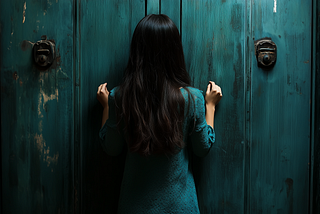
pixel 25 45
pixel 307 61
pixel 15 75
pixel 20 82
pixel 58 60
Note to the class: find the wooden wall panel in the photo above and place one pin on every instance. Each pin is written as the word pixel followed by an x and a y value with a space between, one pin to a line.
pixel 213 41
pixel 51 158
pixel 36 108
pixel 153 6
pixel 172 9
pixel 315 152
pixel 280 110
pixel 106 28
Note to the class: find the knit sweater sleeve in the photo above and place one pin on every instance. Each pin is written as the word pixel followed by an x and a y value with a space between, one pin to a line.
pixel 112 140
pixel 203 135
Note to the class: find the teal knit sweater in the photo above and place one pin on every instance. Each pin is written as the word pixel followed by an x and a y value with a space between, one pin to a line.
pixel 160 183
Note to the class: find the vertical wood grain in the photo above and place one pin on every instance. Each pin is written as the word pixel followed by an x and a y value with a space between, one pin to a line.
pixel 315 152
pixel 153 6
pixel 36 109
pixel 279 178
pixel 213 41
pixel 106 31
pixel 172 9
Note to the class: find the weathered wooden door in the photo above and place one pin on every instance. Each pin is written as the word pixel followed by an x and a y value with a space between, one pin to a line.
pixel 51 159
pixel 37 116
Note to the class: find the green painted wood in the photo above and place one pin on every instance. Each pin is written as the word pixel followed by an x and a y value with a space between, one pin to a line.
pixel 153 6
pixel 315 152
pixel 280 110
pixel 172 9
pixel 213 41
pixel 36 109
pixel 106 28
pixel 51 159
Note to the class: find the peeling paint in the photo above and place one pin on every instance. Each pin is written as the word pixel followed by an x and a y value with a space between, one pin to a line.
pixel 274 6
pixel 24 12
pixel 44 98
pixel 44 151
pixel 49 3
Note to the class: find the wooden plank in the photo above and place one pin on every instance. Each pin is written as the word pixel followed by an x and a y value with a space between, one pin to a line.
pixel 212 36
pixel 315 135
pixel 279 177
pixel 153 6
pixel 106 30
pixel 172 9
pixel 36 109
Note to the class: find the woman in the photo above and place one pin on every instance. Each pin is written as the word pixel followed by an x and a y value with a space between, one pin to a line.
pixel 159 117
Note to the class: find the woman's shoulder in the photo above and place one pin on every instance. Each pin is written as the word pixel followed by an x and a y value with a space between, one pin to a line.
pixel 194 92
pixel 113 92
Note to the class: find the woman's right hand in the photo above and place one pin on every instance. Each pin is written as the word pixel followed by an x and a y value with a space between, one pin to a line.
pixel 213 94
pixel 103 95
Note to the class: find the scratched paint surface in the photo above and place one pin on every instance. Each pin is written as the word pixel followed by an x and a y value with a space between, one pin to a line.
pixel 106 30
pixel 280 110
pixel 36 109
pixel 315 197
pixel 259 163
pixel 213 39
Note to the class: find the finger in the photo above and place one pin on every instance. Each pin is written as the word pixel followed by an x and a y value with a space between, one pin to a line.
pixel 104 88
pixel 99 88
pixel 212 83
pixel 208 88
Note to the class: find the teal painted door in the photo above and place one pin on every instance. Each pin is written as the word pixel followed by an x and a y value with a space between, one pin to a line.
pixel 280 109
pixel 37 117
pixel 51 158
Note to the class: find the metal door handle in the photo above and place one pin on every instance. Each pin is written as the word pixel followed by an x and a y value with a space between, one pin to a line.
pixel 266 52
pixel 44 52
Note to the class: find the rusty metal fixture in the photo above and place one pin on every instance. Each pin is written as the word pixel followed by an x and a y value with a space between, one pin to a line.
pixel 266 52
pixel 44 52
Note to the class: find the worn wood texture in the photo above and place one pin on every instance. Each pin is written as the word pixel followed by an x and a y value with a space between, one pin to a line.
pixel 172 9
pixel 51 158
pixel 36 109
pixel 106 28
pixel 213 41
pixel 153 6
pixel 315 153
pixel 280 109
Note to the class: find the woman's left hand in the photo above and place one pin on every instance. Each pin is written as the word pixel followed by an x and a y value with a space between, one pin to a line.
pixel 103 95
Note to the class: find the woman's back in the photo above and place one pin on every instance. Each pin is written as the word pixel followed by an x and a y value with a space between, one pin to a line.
pixel 161 183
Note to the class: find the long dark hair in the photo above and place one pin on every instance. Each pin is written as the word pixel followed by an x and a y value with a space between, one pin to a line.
pixel 152 106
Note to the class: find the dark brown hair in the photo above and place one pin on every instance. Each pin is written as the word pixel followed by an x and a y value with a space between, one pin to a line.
pixel 152 106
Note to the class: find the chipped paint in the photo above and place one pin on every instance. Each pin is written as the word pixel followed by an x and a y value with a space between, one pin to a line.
pixel 44 151
pixel 24 12
pixel 43 97
pixel 49 3
pixel 274 6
